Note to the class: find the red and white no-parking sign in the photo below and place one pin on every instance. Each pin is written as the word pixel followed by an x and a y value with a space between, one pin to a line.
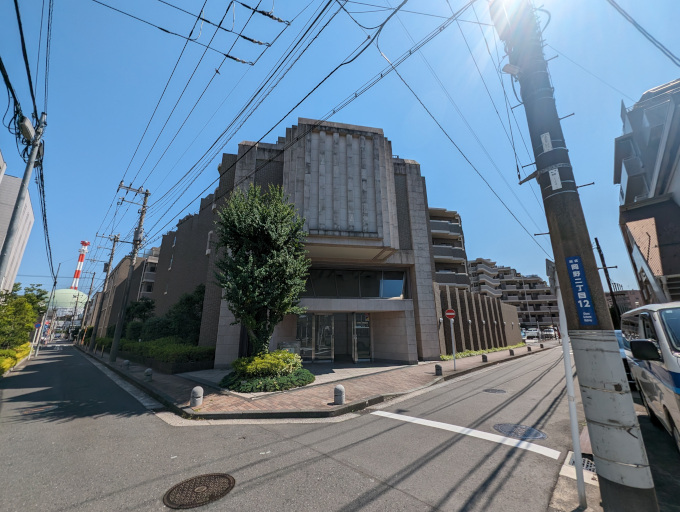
pixel 450 314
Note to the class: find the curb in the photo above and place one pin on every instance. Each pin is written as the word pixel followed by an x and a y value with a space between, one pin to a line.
pixel 358 405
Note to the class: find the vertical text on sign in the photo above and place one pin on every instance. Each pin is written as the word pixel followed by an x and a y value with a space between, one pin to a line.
pixel 579 285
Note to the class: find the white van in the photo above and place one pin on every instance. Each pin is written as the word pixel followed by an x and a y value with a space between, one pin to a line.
pixel 654 335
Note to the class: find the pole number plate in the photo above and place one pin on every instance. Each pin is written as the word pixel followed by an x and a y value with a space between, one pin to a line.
pixel 579 285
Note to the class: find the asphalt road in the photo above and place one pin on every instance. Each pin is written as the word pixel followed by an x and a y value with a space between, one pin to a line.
pixel 74 440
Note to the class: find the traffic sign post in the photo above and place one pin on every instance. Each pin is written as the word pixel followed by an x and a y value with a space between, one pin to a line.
pixel 451 315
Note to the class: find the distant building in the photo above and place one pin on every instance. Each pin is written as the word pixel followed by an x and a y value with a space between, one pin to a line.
pixel 9 190
pixel 626 300
pixel 531 295
pixel 646 161
pixel 448 248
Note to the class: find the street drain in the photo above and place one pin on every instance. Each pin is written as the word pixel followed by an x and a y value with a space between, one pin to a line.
pixel 519 431
pixel 199 490
pixel 588 464
pixel 494 391
pixel 38 410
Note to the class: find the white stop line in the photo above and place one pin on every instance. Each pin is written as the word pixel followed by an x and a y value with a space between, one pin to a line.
pixel 508 441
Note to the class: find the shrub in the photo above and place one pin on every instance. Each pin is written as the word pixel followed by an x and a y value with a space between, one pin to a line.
pixel 10 357
pixel 168 350
pixel 157 327
pixel 104 342
pixel 299 377
pixel 468 353
pixel 274 364
pixel 134 330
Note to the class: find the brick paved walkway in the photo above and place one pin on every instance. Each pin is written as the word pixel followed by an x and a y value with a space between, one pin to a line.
pixel 311 398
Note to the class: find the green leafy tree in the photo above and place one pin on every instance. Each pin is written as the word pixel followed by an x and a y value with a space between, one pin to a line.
pixel 37 298
pixel 264 267
pixel 17 316
pixel 141 309
pixel 185 315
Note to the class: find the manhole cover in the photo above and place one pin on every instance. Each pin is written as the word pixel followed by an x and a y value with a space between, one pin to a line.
pixel 519 431
pixel 38 410
pixel 494 391
pixel 199 490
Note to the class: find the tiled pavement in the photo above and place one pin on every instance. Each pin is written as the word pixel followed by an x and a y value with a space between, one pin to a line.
pixel 359 386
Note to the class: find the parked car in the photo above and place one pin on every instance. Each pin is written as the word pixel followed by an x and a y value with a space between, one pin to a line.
pixel 533 334
pixel 549 333
pixel 654 335
pixel 626 357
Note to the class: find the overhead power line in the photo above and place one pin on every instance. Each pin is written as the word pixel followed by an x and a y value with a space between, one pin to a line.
pixel 674 59
pixel 344 103
pixel 25 54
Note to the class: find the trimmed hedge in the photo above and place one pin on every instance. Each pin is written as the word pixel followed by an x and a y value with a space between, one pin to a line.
pixel 299 377
pixel 9 357
pixel 273 364
pixel 166 350
pixel 468 353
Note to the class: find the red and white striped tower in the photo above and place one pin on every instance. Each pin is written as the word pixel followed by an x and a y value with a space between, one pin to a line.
pixel 81 259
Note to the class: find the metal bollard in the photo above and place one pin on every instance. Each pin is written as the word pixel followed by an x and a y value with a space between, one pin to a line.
pixel 512 352
pixel 528 349
pixel 438 369
pixel 147 375
pixel 541 345
pixel 484 358
pixel 339 395
pixel 126 365
pixel 196 396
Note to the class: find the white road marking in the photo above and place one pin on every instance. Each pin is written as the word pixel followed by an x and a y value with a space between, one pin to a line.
pixel 136 393
pixel 515 443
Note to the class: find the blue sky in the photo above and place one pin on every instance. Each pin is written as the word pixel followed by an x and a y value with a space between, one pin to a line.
pixel 108 72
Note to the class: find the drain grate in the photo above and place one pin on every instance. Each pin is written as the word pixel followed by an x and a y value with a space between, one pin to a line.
pixel 519 431
pixel 588 464
pixel 491 390
pixel 199 490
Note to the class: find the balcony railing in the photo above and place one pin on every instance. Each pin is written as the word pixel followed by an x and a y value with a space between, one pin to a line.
pixel 483 278
pixel 490 290
pixel 452 278
pixel 149 277
pixel 447 227
pixel 444 252
pixel 482 267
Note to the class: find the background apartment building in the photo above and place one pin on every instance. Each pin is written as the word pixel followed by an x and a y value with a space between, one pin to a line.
pixel 9 190
pixel 531 295
pixel 448 248
pixel 646 160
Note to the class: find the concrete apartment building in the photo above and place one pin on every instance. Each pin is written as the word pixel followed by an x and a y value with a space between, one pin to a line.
pixel 384 265
pixel 531 295
pixel 625 299
pixel 646 160
pixel 142 285
pixel 9 190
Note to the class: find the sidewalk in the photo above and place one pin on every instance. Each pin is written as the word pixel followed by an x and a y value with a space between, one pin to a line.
pixel 364 385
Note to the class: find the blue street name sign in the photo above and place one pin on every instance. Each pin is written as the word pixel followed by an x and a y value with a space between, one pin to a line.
pixel 584 304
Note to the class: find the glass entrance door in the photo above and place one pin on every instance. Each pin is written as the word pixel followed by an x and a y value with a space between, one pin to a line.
pixel 361 337
pixel 303 337
pixel 323 346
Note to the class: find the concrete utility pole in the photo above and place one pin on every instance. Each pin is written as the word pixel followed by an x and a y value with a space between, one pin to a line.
pixel 87 305
pixel 115 240
pixel 617 311
pixel 21 199
pixel 136 243
pixel 622 467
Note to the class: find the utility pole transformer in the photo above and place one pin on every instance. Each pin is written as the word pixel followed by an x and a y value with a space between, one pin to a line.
pixel 623 470
pixel 115 240
pixel 136 243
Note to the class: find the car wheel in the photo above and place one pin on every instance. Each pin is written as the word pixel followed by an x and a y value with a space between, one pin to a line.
pixel 652 417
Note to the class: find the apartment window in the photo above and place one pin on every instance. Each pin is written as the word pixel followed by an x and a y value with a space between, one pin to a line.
pixel 208 243
pixel 152 268
pixel 149 287
pixel 171 258
pixel 356 283
pixel 174 241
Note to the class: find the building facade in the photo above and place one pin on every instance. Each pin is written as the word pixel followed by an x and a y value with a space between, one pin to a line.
pixel 9 190
pixel 531 295
pixel 625 299
pixel 448 248
pixel 646 160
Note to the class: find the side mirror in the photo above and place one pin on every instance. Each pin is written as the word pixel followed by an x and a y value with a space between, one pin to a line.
pixel 645 350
